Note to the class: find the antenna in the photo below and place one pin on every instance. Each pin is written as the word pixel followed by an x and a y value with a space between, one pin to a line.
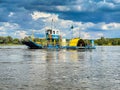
pixel 79 33
pixel 52 24
pixel 72 30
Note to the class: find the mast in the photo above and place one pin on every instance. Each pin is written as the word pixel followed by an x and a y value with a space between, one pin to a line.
pixel 52 24
pixel 72 30
pixel 79 33
pixel 32 36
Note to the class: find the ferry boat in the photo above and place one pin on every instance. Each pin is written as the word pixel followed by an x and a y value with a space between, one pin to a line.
pixel 55 41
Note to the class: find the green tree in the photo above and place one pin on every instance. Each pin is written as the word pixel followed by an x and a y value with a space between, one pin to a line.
pixel 16 41
pixel 9 39
pixel 114 42
pixel 1 40
pixel 119 42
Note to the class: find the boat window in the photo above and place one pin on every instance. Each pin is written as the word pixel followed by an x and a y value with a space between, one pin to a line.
pixel 53 32
pixel 57 32
pixel 49 31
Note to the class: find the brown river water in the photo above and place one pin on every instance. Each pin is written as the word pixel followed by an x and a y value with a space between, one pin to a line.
pixel 34 69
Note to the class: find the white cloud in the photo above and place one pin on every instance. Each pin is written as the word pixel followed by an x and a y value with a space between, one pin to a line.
pixel 78 8
pixel 2 33
pixel 64 27
pixel 87 30
pixel 53 18
pixel 63 8
pixel 85 35
pixel 1 28
pixel 36 15
pixel 20 34
pixel 7 25
pixel 116 1
pixel 10 14
pixel 103 4
pixel 85 5
pixel 70 8
pixel 111 26
pixel 7 28
pixel 100 34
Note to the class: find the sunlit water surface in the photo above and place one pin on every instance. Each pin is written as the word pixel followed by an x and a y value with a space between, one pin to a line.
pixel 29 69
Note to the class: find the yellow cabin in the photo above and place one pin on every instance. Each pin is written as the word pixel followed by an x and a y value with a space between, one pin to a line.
pixel 76 42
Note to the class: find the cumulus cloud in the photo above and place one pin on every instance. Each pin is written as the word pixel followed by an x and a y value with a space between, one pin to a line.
pixel 1 28
pixel 11 14
pixel 20 34
pixel 106 5
pixel 83 28
pixel 69 8
pixel 36 15
pixel 86 30
pixel 111 26
pixel 63 8
pixel 8 26
pixel 100 35
pixel 91 17
pixel 85 10
pixel 86 35
pixel 116 1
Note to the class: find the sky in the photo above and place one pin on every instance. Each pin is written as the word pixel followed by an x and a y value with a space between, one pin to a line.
pixel 91 19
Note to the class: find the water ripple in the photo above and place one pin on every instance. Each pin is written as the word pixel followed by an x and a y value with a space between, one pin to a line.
pixel 30 69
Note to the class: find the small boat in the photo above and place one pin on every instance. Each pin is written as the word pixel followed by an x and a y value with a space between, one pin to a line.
pixel 55 41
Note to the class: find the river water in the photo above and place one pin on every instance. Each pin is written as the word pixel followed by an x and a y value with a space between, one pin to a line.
pixel 29 69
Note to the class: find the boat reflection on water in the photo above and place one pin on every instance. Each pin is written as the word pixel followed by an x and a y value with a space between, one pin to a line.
pixel 56 69
pixel 64 56
pixel 65 70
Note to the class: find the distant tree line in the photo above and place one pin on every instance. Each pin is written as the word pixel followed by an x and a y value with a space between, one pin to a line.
pixel 101 41
pixel 9 40
pixel 107 41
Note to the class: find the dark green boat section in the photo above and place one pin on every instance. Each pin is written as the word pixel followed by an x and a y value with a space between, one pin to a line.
pixel 32 45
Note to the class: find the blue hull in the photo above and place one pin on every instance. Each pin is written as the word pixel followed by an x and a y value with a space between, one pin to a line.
pixel 86 47
pixel 33 45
